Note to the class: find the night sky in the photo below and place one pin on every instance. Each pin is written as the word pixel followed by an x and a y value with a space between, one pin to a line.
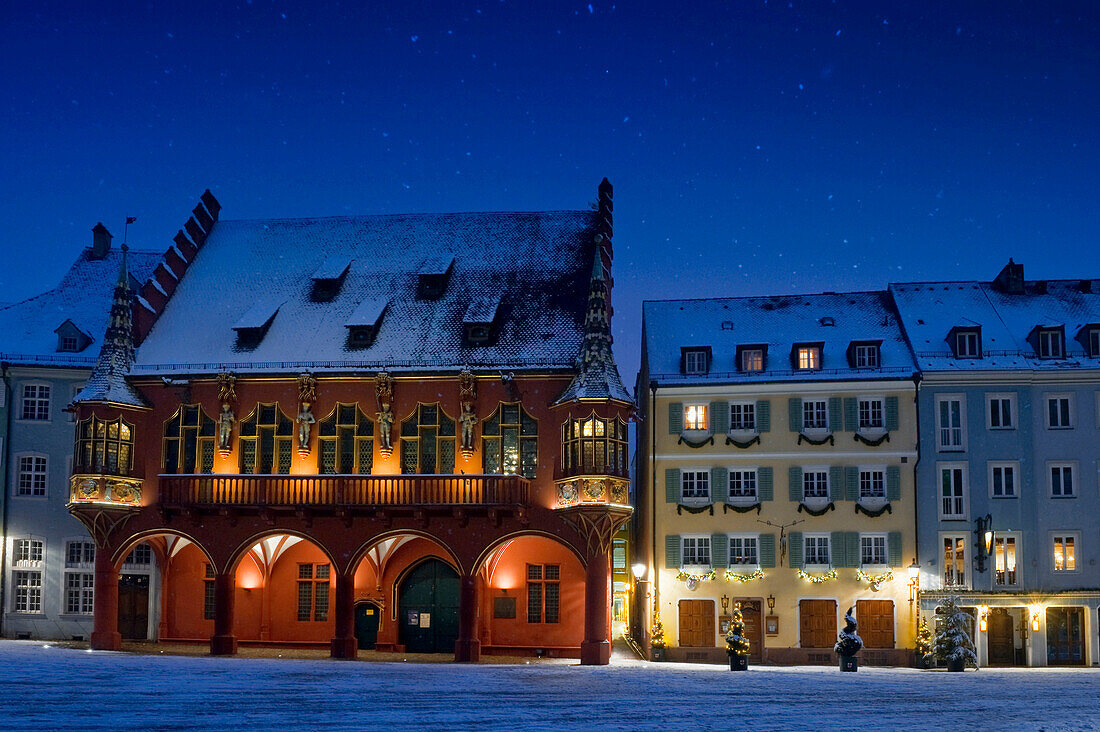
pixel 755 147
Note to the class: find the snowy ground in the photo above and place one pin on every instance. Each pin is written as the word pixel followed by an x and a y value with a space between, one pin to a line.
pixel 45 687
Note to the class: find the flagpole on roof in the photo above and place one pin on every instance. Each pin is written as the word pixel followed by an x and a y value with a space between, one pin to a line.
pixel 126 228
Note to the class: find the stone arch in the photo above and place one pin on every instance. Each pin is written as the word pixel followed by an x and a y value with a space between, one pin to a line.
pixel 243 548
pixel 449 555
pixel 124 548
pixel 491 548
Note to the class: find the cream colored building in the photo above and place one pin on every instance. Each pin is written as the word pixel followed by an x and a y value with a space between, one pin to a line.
pixel 776 474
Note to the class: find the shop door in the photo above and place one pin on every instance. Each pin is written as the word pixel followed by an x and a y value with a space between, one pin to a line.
pixel 367 615
pixel 876 623
pixel 1002 644
pixel 428 608
pixel 754 628
pixel 697 623
pixel 817 623
pixel 133 606
pixel 1065 636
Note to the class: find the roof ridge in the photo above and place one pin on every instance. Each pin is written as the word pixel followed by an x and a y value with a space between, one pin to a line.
pixel 766 297
pixel 351 217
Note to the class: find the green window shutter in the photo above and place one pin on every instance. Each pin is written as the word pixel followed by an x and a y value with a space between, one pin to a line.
pixel 720 417
pixel 794 404
pixel 764 415
pixel 834 414
pixel 672 485
pixel 838 554
pixel 836 483
pixel 893 548
pixel 672 551
pixel 851 414
pixel 765 489
pixel 891 413
pixel 719 485
pixel 851 483
pixel 675 418
pixel 766 548
pixel 893 483
pixel 794 549
pixel 852 541
pixel 719 551
pixel 795 478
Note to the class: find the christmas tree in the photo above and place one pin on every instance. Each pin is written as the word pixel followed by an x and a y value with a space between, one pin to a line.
pixel 952 643
pixel 848 642
pixel 657 632
pixel 736 643
pixel 924 643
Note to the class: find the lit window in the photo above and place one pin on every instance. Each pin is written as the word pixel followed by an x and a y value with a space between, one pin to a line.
pixel 872 484
pixel 743 484
pixel 1002 480
pixel 696 551
pixel 1058 413
pixel 1050 344
pixel 1000 413
pixel 1065 553
pixel 428 441
pixel 1004 561
pixel 867 357
pixel 543 593
pixel 815 414
pixel 809 358
pixel 1061 481
pixel 189 441
pixel 815 484
pixel 36 402
pixel 104 446
pixel 695 416
pixel 510 440
pixel 872 549
pixel 967 344
pixel 816 550
pixel 744 550
pixel 313 586
pixel 752 360
pixel 695 485
pixel 32 476
pixel 871 414
pixel 594 446
pixel 954 561
pixel 28 591
pixel 695 361
pixel 952 492
pixel 743 416
pixel 346 441
pixel 266 441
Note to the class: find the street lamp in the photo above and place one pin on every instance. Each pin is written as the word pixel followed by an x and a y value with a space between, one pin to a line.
pixel 984 531
pixel 638 568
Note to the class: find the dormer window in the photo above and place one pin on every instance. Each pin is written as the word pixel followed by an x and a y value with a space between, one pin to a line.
pixel 966 342
pixel 328 278
pixel 479 321
pixel 67 344
pixel 433 276
pixel 806 356
pixel 750 359
pixel 1092 341
pixel 1049 341
pixel 695 359
pixel 864 354
pixel 253 325
pixel 71 339
pixel 364 322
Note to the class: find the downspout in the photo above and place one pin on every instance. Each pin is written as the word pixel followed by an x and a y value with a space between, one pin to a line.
pixel 5 498
pixel 916 499
pixel 653 493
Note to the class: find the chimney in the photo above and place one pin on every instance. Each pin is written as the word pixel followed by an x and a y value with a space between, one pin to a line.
pixel 101 241
pixel 1011 279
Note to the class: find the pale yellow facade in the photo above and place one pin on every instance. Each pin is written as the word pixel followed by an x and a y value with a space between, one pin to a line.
pixel 760 494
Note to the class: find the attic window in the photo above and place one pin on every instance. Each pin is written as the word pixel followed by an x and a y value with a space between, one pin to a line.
pixel 864 354
pixel 827 321
pixel 695 359
pixel 751 358
pixel 1049 342
pixel 1089 336
pixel 328 278
pixel 71 339
pixel 364 322
pixel 68 343
pixel 479 321
pixel 806 356
pixel 966 342
pixel 433 276
pixel 253 325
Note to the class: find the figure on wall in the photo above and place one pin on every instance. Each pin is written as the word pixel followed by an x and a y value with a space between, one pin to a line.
pixel 307 395
pixel 227 395
pixel 383 389
pixel 467 419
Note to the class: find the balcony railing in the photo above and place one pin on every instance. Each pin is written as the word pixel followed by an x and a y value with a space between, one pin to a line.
pixel 343 490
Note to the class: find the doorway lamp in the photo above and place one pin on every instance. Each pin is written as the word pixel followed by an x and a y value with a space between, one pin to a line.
pixel 984 530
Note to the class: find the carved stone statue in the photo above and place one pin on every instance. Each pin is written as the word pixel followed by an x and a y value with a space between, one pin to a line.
pixel 305 419
pixel 225 426
pixel 468 420
pixel 227 387
pixel 307 389
pixel 383 389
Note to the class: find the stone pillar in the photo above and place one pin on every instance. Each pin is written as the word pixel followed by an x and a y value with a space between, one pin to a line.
pixel 468 647
pixel 596 647
pixel 344 644
pixel 105 635
pixel 223 642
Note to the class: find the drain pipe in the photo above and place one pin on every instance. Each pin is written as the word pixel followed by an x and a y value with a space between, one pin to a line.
pixel 6 497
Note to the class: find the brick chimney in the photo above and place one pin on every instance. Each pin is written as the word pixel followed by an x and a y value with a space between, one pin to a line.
pixel 101 241
pixel 1011 279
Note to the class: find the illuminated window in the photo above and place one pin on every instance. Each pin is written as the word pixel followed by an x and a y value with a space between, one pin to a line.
pixel 695 416
pixel 428 441
pixel 744 550
pixel 1004 561
pixel 31 480
pixel 594 446
pixel 543 593
pixel 815 414
pixel 808 358
pixel 815 484
pixel 104 446
pixel 695 551
pixel 510 442
pixel 954 561
pixel 695 485
pixel 346 441
pixel 816 549
pixel 1065 553
pixel 36 402
pixel 208 596
pixel 743 416
pixel 872 549
pixel 189 441
pixel 267 441
pixel 313 592
pixel 752 360
pixel 872 483
pixel 28 591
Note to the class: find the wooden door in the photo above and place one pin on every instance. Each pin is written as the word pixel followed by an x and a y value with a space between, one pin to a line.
pixel 697 623
pixel 1002 645
pixel 817 623
pixel 754 628
pixel 428 608
pixel 876 623
pixel 133 606
pixel 1065 636
pixel 367 615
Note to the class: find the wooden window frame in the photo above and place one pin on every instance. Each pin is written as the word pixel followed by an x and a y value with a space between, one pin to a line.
pixel 316 585
pixel 414 433
pixel 540 585
pixel 594 445
pixel 494 435
pixel 332 433
pixel 203 431
pixel 281 436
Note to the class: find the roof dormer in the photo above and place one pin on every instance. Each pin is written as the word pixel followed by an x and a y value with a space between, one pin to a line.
pixel 253 325
pixel 328 278
pixel 695 360
pixel 807 356
pixel 364 322
pixel 479 322
pixel 431 281
pixel 1089 337
pixel 965 341
pixel 70 338
pixel 1049 341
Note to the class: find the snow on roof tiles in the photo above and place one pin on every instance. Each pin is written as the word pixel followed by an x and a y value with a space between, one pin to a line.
pixel 368 312
pixel 482 310
pixel 537 262
pixel 332 268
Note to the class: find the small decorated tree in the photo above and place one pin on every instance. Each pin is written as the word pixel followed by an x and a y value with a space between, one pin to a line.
pixel 925 650
pixel 953 644
pixel 737 645
pixel 848 643
pixel 657 638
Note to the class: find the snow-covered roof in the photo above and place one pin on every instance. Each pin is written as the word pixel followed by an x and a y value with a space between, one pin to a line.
pixel 482 310
pixel 332 268
pixel 27 328
pixel 536 264
pixel 930 310
pixel 777 322
pixel 368 312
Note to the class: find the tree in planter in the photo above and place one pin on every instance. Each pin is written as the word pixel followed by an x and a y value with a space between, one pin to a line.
pixel 952 644
pixel 657 638
pixel 925 650
pixel 737 645
pixel 848 642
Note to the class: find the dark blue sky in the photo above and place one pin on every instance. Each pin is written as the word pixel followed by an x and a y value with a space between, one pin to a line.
pixel 755 147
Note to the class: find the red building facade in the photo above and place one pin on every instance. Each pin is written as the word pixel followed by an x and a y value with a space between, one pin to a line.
pixel 405 433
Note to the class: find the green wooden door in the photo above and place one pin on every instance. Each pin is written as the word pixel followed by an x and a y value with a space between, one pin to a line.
pixel 367 615
pixel 133 606
pixel 428 608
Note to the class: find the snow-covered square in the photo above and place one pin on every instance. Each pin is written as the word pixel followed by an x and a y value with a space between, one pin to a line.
pixel 48 687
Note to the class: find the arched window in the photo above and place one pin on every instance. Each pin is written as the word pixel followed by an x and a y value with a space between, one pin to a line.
pixel 267 441
pixel 428 441
pixel 510 441
pixel 104 446
pixel 594 445
pixel 346 438
pixel 189 441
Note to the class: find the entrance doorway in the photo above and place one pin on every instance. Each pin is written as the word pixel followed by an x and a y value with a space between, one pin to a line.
pixel 754 628
pixel 367 617
pixel 876 622
pixel 697 623
pixel 1065 636
pixel 1002 642
pixel 428 608
pixel 817 623
pixel 133 606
